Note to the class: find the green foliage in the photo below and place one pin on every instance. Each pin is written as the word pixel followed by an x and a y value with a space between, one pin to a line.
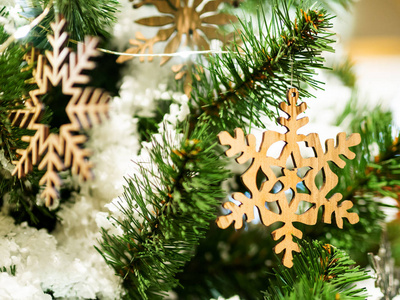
pixel 167 211
pixel 19 193
pixel 393 231
pixel 254 77
pixel 344 71
pixel 229 262
pixel 148 125
pixel 84 17
pixel 252 6
pixel 170 206
pixel 377 169
pixel 319 272
pixel 21 197
pixel 13 269
pixel 238 88
pixel 374 174
pixel 13 88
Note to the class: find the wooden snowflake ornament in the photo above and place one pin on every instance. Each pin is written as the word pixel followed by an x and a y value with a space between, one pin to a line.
pixel 183 23
pixel 182 20
pixel 87 106
pixel 281 191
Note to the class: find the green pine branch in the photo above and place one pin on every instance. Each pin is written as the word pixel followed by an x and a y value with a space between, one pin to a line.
pixel 374 174
pixel 253 78
pixel 344 71
pixel 252 6
pixel 173 215
pixel 319 272
pixel 20 194
pixel 174 210
pixel 229 262
pixel 12 270
pixel 378 168
pixel 84 18
pixel 14 73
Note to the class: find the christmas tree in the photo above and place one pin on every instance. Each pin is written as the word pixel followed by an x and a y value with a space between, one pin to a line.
pixel 112 177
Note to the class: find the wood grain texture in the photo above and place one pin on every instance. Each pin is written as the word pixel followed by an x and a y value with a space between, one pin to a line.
pixel 86 107
pixel 279 198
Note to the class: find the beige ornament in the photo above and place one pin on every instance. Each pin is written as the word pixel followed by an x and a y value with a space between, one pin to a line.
pixel 88 106
pixel 187 71
pixel 196 24
pixel 281 190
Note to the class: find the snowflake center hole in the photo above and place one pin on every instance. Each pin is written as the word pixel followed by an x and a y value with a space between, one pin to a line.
pixel 56 101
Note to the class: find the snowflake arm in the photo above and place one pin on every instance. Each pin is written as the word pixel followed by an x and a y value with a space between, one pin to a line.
pixel 52 163
pixel 244 209
pixel 141 44
pixel 342 147
pixel 238 145
pixel 31 155
pixel 287 244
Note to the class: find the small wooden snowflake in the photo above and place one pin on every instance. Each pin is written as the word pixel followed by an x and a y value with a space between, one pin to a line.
pixel 87 106
pixel 282 190
pixel 181 21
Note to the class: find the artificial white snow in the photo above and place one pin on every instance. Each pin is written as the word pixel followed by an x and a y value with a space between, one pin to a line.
pixel 65 261
pixel 71 268
pixel 15 287
pixel 7 25
pixel 5 163
pixel 374 149
pixel 114 144
pixel 178 112
pixel 167 129
pixel 15 19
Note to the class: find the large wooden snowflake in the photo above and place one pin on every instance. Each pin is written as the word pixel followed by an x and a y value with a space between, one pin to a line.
pixel 86 107
pixel 282 190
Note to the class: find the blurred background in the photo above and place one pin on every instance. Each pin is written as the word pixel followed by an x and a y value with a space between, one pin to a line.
pixel 371 36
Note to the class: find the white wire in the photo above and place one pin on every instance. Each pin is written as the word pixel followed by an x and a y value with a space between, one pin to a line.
pixel 183 53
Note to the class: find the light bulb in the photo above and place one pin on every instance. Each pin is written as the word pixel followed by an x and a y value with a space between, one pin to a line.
pixel 22 32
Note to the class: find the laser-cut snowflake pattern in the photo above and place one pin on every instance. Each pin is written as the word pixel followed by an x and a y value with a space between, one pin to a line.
pixel 88 106
pixel 275 188
pixel 190 23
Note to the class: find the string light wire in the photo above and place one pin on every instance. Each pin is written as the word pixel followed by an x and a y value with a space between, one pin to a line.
pixel 183 53
pixel 24 30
